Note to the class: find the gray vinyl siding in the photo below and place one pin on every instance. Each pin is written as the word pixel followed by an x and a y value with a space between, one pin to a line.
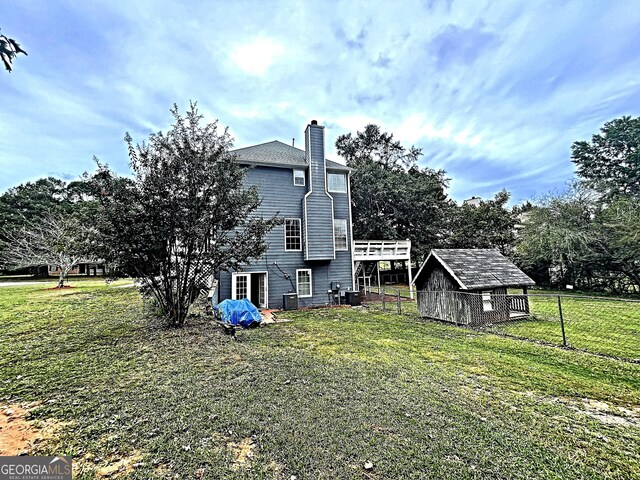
pixel 318 205
pixel 280 196
pixel 342 266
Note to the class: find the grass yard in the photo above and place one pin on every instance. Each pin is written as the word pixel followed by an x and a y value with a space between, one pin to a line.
pixel 317 397
pixel 393 290
pixel 606 325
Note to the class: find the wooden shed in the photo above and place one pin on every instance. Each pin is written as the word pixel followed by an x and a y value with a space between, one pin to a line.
pixel 469 287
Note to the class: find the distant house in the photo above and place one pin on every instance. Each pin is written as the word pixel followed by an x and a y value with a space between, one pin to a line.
pixel 473 201
pixel 83 268
pixel 310 255
pixel 89 269
pixel 469 287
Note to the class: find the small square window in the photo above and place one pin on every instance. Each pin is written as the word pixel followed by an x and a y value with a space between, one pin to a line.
pixel 299 178
pixel 337 182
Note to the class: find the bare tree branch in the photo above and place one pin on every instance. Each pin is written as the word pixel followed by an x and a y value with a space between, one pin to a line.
pixel 56 239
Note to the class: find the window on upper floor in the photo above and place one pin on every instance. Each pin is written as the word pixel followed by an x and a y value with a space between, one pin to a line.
pixel 299 178
pixel 340 234
pixel 337 182
pixel 303 283
pixel 292 234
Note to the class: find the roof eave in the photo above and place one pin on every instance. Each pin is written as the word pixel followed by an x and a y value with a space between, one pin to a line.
pixel 337 166
pixel 297 166
pixel 433 254
pixel 450 270
pixel 505 285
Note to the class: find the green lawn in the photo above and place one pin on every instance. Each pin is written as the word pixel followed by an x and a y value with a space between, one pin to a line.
pixel 316 397
pixel 605 326
pixel 53 279
pixel 393 290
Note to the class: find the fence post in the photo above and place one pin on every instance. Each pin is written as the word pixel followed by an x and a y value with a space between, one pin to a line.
pixel 399 307
pixel 564 338
pixel 383 304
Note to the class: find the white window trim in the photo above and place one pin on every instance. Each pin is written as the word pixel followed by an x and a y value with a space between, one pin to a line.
pixel 487 301
pixel 343 175
pixel 266 288
pixel 310 282
pixel 284 231
pixel 346 235
pixel 304 179
pixel 234 284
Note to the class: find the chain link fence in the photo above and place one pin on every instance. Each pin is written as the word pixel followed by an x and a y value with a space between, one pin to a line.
pixel 600 325
pixel 390 299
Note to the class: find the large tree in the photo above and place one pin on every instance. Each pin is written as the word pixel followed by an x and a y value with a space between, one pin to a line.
pixel 491 224
pixel 618 226
pixel 559 233
pixel 53 239
pixel 184 216
pixel 583 240
pixel 374 145
pixel 22 204
pixel 610 162
pixel 30 202
pixel 392 197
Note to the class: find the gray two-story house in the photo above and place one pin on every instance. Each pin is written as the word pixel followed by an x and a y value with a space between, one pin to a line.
pixel 311 251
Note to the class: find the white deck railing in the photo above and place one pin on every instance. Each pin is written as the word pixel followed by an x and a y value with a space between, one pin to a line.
pixel 375 250
pixel 380 250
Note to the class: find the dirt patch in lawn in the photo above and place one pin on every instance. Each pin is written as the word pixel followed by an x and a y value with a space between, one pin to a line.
pixel 120 466
pixel 612 415
pixel 376 297
pixel 17 434
pixel 242 452
pixel 606 413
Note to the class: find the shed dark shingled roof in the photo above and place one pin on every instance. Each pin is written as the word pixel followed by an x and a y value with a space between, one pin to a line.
pixel 278 154
pixel 479 268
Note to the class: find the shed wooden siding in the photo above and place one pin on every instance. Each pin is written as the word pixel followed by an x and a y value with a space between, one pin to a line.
pixel 499 304
pixel 437 300
pixel 280 196
pixel 318 204
pixel 440 297
pixel 451 283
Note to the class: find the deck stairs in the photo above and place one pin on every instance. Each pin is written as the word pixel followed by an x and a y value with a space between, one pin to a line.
pixel 368 268
pixel 364 271
pixel 367 254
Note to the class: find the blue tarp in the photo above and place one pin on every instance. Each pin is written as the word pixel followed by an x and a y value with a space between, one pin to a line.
pixel 239 312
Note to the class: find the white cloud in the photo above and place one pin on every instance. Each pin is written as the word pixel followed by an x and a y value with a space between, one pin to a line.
pixel 494 93
pixel 257 56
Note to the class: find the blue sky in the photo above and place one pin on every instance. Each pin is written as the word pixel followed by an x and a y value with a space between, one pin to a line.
pixel 494 92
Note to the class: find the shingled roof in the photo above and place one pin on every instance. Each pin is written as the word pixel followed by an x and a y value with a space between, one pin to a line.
pixel 475 269
pixel 278 154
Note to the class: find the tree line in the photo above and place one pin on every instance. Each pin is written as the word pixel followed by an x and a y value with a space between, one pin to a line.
pixel 587 236
pixel 394 199
pixel 184 214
